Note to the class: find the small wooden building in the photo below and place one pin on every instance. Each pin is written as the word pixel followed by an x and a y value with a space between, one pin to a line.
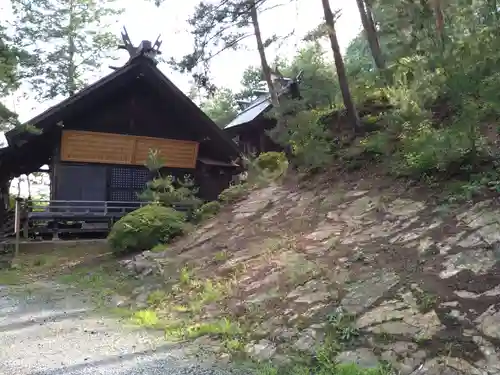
pixel 96 141
pixel 248 129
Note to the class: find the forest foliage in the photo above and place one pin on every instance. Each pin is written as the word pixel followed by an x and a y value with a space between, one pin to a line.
pixel 429 112
pixel 422 76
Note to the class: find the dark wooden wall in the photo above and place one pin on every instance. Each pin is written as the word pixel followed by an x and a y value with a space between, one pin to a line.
pixel 134 111
pixel 252 137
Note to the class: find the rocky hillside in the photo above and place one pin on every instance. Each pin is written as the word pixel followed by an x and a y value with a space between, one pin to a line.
pixel 392 278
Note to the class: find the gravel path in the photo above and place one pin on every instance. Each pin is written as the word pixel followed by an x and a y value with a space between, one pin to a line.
pixel 55 332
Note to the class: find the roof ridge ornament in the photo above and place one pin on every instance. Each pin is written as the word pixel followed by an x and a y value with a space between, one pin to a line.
pixel 145 48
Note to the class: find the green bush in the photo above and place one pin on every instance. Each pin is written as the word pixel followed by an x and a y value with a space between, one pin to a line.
pixel 378 143
pixel 310 140
pixel 272 161
pixel 234 193
pixel 169 191
pixel 145 228
pixel 207 211
pixel 438 150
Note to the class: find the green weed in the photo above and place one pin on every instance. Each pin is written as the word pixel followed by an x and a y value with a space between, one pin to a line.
pixel 185 276
pixel 156 298
pixel 341 328
pixel 223 328
pixel 159 248
pixel 323 363
pixel 221 256
pixel 145 318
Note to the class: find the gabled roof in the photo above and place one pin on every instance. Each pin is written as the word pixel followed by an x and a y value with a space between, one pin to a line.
pixel 137 67
pixel 258 107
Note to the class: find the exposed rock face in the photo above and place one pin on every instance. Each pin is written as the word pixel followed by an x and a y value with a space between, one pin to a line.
pixel 418 282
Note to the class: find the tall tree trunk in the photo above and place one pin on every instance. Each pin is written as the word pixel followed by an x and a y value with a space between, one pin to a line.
pixel 371 35
pixel 339 64
pixel 71 79
pixel 266 70
pixel 438 14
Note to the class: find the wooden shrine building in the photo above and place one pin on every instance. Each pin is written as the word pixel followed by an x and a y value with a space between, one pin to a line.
pixel 96 142
pixel 248 129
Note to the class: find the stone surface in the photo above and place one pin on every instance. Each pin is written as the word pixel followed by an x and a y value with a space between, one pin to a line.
pixel 361 295
pixel 447 366
pixel 261 351
pixel 490 362
pixel 489 322
pixel 358 248
pixel 307 340
pixel 404 356
pixel 324 231
pixel 404 207
pixel 398 318
pixel 363 357
pixel 479 261
pixel 119 301
pixel 359 208
pixel 312 292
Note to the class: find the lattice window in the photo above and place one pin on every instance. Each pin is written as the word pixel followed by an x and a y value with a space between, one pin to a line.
pixel 122 196
pixel 121 178
pixel 139 178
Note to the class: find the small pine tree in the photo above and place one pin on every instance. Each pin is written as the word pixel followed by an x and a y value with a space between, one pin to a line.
pixel 167 190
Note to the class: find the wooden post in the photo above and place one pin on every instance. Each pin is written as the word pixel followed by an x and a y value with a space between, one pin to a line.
pixel 17 226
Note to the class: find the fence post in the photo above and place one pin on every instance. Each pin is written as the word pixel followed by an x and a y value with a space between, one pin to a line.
pixel 17 226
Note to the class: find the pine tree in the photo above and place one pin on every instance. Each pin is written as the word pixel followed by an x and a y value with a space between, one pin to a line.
pixel 11 59
pixel 222 25
pixel 365 12
pixel 352 112
pixel 69 39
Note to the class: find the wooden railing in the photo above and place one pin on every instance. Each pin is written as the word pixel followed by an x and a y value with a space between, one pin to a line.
pixel 31 212
pixel 104 208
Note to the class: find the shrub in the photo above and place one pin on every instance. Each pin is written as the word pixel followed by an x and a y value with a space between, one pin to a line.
pixel 207 211
pixel 145 228
pixel 310 140
pixel 430 149
pixel 272 161
pixel 169 191
pixel 234 193
pixel 378 143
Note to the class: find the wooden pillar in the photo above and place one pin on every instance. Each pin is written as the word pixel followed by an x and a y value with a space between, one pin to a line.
pixel 17 226
pixel 4 203
pixel 25 220
pixel 54 169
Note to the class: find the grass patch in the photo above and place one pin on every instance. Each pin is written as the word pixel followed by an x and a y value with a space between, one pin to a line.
pixel 39 262
pixel 12 277
pixel 146 318
pixel 101 282
pixel 159 248
pixel 323 363
pixel 223 329
pixel 193 294
pixel 156 298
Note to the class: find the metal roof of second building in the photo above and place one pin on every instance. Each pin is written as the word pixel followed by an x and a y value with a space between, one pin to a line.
pixel 254 109
pixel 257 107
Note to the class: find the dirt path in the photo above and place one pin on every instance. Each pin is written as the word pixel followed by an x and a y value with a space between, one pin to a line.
pixel 54 330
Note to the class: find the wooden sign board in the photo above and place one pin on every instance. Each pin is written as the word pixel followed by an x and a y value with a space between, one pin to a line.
pixel 94 147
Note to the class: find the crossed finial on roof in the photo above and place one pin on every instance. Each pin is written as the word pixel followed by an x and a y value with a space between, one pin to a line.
pixel 145 48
